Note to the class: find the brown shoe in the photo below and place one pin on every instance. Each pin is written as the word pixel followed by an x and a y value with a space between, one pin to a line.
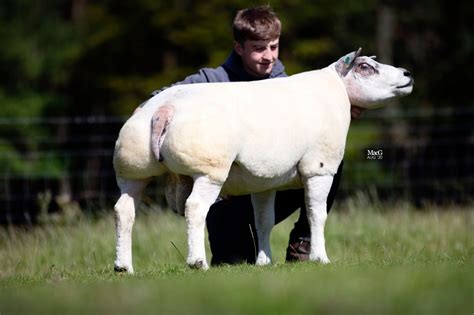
pixel 298 250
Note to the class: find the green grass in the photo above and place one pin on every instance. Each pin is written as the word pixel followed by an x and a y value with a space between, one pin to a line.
pixel 385 260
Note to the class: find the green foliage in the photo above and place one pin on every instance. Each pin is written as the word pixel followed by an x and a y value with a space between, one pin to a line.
pixel 38 48
pixel 104 58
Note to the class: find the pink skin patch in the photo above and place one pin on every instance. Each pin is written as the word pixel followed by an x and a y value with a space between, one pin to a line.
pixel 159 124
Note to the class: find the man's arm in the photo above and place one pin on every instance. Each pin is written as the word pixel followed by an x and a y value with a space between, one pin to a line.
pixel 199 77
pixel 204 75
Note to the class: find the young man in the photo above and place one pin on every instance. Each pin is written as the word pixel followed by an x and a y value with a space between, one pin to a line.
pixel 230 221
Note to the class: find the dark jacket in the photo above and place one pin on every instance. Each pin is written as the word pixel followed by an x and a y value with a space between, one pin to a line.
pixel 231 71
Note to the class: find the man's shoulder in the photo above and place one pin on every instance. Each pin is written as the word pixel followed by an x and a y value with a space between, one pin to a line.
pixel 218 74
pixel 278 70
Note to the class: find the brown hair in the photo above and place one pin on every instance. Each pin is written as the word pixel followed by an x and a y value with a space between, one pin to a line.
pixel 259 23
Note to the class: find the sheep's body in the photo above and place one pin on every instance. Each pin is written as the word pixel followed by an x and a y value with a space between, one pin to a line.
pixel 246 138
pixel 235 129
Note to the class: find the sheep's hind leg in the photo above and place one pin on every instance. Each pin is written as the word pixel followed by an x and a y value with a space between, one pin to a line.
pixel 316 193
pixel 125 207
pixel 264 212
pixel 203 195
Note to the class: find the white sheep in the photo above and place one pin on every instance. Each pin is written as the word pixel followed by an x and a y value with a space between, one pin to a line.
pixel 246 138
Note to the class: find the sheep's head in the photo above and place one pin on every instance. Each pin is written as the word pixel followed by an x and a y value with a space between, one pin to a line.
pixel 370 83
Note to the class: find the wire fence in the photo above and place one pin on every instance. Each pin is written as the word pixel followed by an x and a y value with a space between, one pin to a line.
pixel 422 155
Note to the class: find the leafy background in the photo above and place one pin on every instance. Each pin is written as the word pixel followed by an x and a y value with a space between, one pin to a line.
pixel 73 69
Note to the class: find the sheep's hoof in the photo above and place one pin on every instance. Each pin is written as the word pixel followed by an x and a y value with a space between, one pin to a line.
pixel 199 264
pixel 119 269
pixel 324 260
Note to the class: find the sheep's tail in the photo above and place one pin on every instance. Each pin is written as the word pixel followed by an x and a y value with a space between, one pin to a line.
pixel 159 125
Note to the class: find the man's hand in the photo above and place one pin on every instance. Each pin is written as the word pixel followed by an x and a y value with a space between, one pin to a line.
pixel 356 111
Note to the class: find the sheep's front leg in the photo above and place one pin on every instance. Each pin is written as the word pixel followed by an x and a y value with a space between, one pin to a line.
pixel 125 207
pixel 203 195
pixel 316 193
pixel 264 212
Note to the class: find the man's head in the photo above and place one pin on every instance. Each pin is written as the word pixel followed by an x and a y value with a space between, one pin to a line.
pixel 256 39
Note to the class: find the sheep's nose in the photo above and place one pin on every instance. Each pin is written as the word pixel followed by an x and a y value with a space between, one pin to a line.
pixel 406 72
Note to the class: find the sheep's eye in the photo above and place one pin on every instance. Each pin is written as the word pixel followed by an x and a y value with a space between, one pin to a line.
pixel 366 68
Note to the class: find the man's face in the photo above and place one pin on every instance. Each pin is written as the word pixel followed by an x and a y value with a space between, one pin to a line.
pixel 258 56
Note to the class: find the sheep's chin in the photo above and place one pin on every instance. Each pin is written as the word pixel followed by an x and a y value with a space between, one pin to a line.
pixel 408 84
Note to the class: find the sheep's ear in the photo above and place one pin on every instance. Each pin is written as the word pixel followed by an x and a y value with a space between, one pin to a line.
pixel 345 64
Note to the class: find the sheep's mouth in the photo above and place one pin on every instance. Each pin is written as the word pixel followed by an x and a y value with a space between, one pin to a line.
pixel 410 83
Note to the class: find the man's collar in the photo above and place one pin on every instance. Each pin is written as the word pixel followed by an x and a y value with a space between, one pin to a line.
pixel 234 65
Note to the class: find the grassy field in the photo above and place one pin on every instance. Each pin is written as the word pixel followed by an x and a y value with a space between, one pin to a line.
pixel 385 260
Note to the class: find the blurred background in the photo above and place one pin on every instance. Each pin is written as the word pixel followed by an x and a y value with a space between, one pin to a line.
pixel 73 71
